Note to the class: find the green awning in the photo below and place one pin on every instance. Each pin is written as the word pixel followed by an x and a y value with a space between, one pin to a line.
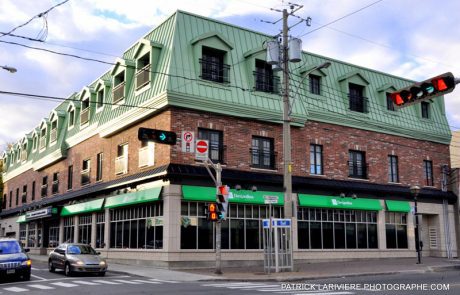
pixel 143 196
pixel 208 194
pixel 21 219
pixel 86 207
pixel 319 201
pixel 398 206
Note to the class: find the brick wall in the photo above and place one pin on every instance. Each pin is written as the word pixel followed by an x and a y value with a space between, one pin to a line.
pixel 336 141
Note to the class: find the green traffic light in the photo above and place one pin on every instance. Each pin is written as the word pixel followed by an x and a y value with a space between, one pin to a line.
pixel 162 136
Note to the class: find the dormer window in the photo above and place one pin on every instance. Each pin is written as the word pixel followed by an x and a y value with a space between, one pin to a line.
pixel 34 142
pixel 264 79
pixel 358 102
pixel 24 152
pixel 18 155
pixel 53 132
pixel 390 104
pixel 143 71
pixel 119 87
pixel 71 118
pixel 84 116
pixel 100 99
pixel 212 65
pixel 43 138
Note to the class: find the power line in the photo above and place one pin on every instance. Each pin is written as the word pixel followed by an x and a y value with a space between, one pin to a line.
pixel 345 16
pixel 41 14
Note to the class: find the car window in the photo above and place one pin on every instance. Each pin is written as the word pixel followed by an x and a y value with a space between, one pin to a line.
pixel 9 247
pixel 80 249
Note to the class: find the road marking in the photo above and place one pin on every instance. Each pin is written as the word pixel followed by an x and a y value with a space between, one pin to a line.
pixel 33 268
pixel 106 282
pixel 15 289
pixel 85 283
pixel 40 278
pixel 41 287
pixel 148 282
pixel 128 282
pixel 164 281
pixel 62 284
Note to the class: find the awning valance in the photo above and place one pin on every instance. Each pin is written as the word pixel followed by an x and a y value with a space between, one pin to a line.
pixel 319 201
pixel 208 194
pixel 138 197
pixel 86 207
pixel 397 206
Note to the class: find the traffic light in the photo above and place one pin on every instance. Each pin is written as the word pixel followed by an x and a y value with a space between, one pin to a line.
pixel 425 90
pixel 160 136
pixel 223 192
pixel 212 213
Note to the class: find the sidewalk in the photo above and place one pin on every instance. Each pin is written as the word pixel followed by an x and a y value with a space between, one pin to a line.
pixel 304 271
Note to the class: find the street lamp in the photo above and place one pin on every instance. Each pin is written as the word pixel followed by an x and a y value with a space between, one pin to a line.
pixel 9 69
pixel 415 190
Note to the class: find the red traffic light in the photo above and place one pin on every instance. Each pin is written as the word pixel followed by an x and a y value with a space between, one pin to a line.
pixel 425 90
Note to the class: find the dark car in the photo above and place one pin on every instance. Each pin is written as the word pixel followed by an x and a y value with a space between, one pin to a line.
pixel 76 258
pixel 14 261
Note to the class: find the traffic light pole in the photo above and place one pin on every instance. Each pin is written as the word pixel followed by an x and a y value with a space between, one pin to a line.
pixel 218 182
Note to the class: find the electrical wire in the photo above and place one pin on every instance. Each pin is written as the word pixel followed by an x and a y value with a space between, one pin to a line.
pixel 42 14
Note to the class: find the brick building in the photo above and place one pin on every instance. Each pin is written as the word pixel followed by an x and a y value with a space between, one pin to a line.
pixel 83 175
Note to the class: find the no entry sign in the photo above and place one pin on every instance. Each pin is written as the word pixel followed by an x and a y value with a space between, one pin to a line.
pixel 202 149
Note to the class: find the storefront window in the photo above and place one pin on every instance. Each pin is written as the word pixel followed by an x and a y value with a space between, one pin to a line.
pixel 139 227
pixel 32 235
pixel 69 229
pixel 100 230
pixel 336 229
pixel 396 230
pixel 22 234
pixel 84 229
pixel 53 235
pixel 241 230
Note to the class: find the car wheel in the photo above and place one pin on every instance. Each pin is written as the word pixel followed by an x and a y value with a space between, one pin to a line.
pixel 51 267
pixel 67 270
pixel 26 277
pixel 101 274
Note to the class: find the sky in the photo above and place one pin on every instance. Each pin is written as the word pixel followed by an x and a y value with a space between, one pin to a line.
pixel 408 38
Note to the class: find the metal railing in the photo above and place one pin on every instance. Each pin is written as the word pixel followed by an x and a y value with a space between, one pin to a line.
pixel 119 92
pixel 55 187
pixel 262 159
pixel 144 156
pixel 42 142
pixel 214 71
pixel 53 135
pixel 44 190
pixel 85 177
pixel 357 169
pixel 84 116
pixel 358 103
pixel 266 82
pixel 121 165
pixel 143 76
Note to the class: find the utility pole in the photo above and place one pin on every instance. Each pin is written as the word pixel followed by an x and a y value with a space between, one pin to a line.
pixel 218 182
pixel 287 174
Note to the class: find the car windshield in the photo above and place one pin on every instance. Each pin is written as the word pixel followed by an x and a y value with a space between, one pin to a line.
pixel 80 249
pixel 9 247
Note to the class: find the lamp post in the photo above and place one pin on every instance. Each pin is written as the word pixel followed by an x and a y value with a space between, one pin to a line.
pixel 415 190
pixel 9 69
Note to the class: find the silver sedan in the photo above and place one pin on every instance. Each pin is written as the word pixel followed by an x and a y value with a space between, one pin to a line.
pixel 76 258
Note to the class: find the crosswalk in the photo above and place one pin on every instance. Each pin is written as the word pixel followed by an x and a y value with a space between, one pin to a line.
pixel 51 285
pixel 249 288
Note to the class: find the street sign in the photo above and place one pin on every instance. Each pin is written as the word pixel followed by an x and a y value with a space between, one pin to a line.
pixel 276 222
pixel 270 199
pixel 202 150
pixel 188 141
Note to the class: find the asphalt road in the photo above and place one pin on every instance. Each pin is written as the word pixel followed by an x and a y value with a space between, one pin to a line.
pixel 44 282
